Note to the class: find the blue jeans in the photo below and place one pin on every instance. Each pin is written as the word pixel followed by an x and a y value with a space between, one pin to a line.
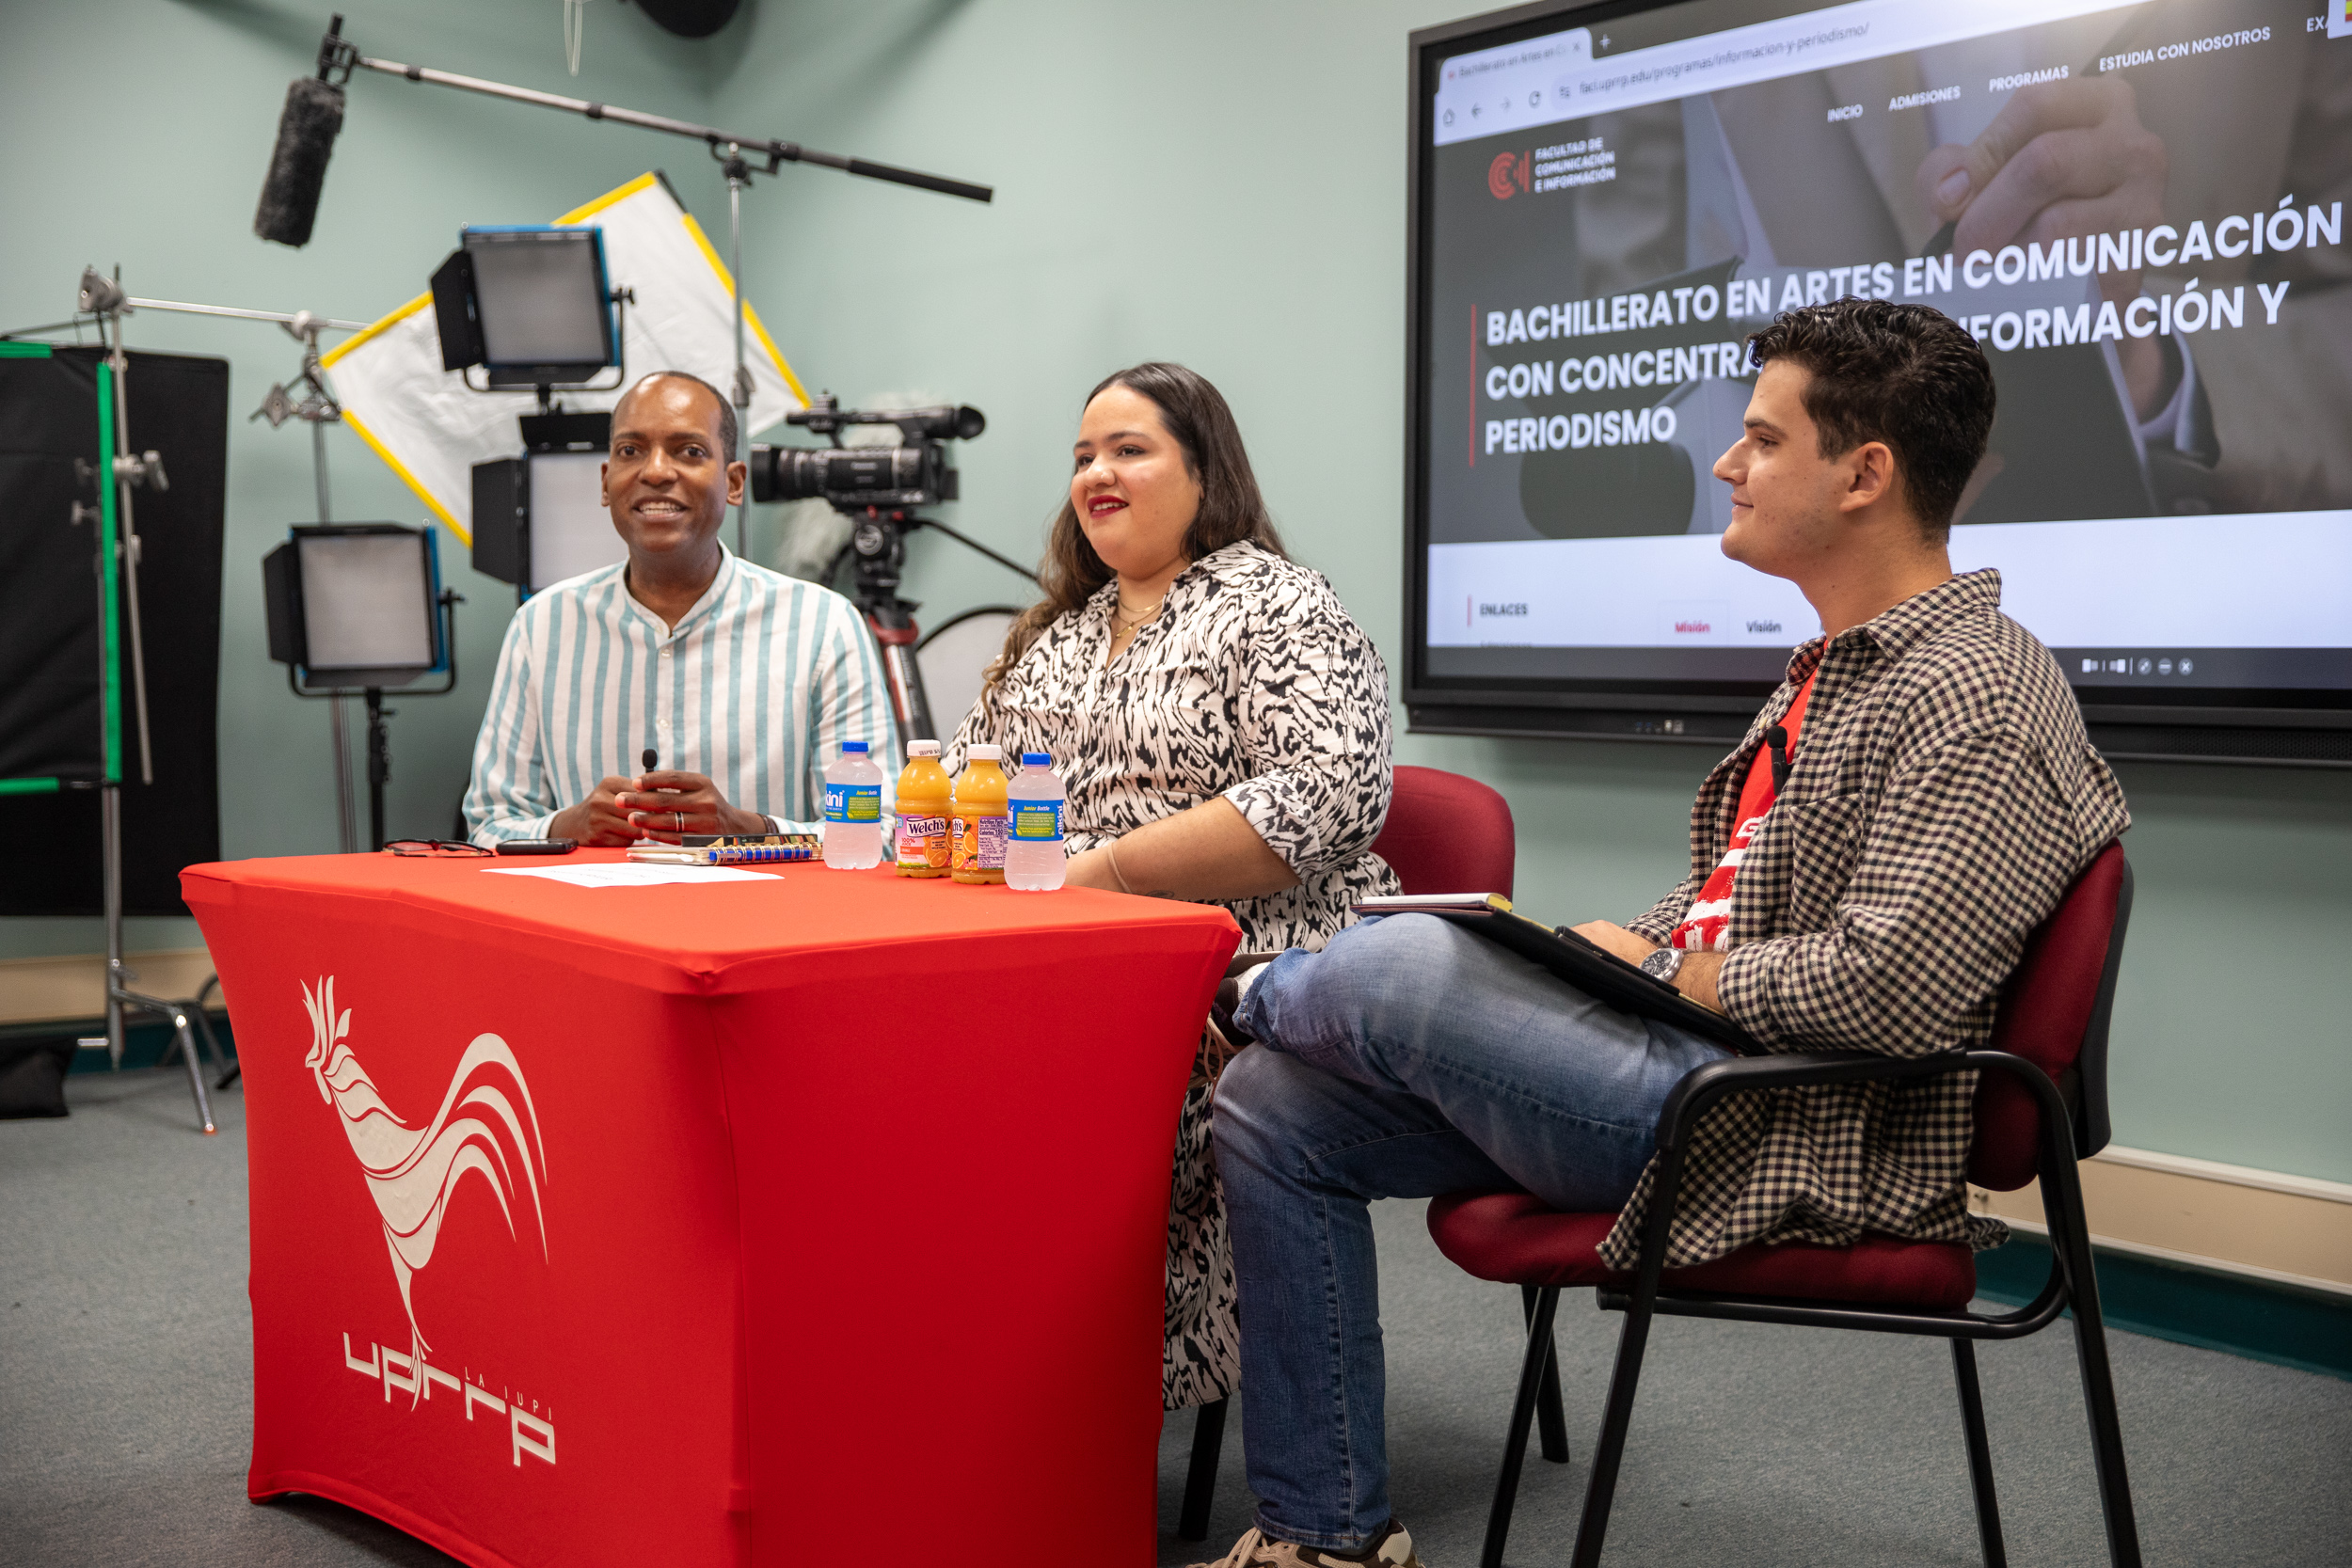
pixel 1406 1059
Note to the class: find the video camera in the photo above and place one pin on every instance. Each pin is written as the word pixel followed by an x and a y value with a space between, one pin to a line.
pixel 859 479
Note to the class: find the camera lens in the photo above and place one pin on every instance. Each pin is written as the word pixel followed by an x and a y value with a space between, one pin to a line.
pixel 852 476
pixel 787 473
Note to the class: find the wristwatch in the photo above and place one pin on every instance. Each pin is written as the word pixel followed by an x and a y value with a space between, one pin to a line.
pixel 1664 964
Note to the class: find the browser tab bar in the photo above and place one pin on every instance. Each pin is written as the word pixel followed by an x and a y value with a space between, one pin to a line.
pixel 1519 85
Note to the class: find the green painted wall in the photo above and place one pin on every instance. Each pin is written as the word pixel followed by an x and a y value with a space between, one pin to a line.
pixel 1218 183
pixel 137 132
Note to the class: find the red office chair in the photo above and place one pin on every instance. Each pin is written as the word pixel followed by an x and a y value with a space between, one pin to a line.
pixel 2041 1105
pixel 1445 833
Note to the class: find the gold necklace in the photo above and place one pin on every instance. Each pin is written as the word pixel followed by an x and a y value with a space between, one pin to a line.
pixel 1120 623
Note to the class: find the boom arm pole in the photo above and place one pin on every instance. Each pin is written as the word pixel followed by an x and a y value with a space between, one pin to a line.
pixel 777 152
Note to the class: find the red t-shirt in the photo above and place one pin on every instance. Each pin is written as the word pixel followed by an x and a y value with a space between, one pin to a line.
pixel 1708 921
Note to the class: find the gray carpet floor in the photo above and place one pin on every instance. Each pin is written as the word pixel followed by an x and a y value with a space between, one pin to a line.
pixel 125 1359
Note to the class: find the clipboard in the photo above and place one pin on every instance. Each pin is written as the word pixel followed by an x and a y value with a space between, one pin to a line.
pixel 1594 971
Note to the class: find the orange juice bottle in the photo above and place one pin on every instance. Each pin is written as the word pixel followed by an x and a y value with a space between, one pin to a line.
pixel 922 805
pixel 979 819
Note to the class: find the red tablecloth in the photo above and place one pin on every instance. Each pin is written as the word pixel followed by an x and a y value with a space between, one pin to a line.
pixel 815 1220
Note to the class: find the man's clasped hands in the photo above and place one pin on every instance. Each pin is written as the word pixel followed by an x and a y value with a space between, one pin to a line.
pixel 663 804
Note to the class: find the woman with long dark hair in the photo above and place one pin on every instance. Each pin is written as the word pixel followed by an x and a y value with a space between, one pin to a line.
pixel 1222 727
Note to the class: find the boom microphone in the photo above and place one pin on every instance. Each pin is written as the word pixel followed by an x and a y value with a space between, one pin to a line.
pixel 298 166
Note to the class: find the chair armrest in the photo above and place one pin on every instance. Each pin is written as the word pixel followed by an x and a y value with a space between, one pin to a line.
pixel 1698 1090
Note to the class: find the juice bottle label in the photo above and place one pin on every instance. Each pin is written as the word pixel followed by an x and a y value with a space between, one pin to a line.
pixel 979 843
pixel 923 842
pixel 1036 821
pixel 853 802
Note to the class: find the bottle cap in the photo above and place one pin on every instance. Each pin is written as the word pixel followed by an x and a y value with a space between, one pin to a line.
pixel 853 747
pixel 922 748
pixel 984 753
pixel 1035 759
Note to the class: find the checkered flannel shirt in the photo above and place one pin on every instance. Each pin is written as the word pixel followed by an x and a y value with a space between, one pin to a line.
pixel 1943 797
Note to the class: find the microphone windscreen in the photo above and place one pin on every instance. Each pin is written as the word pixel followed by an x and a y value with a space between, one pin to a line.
pixel 298 166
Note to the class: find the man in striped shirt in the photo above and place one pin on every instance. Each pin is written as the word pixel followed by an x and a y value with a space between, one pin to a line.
pixel 743 681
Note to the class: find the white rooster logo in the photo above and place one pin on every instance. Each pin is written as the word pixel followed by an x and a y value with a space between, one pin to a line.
pixel 411 1172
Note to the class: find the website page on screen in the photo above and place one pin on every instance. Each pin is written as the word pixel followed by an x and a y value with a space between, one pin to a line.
pixel 2157 268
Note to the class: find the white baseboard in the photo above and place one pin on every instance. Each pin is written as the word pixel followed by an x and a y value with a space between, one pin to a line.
pixel 72 988
pixel 2262 1224
pixel 2240 1176
pixel 2165 1255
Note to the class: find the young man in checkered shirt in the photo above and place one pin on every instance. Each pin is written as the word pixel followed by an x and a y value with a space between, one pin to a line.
pixel 1940 796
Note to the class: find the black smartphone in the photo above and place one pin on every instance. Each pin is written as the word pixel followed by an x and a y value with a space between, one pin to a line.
pixel 538 847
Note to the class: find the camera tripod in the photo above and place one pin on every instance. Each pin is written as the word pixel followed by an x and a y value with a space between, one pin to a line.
pixel 878 545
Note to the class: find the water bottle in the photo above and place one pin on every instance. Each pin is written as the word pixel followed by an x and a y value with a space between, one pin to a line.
pixel 853 835
pixel 1033 852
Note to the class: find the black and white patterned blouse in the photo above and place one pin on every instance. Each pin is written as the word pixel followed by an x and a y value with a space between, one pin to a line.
pixel 1253 684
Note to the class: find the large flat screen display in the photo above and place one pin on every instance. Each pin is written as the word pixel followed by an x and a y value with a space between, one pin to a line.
pixel 2137 210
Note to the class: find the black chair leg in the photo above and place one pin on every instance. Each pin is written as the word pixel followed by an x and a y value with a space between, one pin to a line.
pixel 1208 1443
pixel 1980 1454
pixel 1533 1366
pixel 2068 1230
pixel 1551 1421
pixel 1600 1491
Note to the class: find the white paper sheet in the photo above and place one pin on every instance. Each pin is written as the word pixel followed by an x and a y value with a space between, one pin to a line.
pixel 629 874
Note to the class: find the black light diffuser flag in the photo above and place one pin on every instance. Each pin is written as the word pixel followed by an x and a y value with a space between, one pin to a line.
pixel 66 720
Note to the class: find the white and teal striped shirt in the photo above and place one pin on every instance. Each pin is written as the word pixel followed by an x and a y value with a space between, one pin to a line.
pixel 757 686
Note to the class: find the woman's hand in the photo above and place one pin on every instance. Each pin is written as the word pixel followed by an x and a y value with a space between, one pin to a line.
pixel 1091 868
pixel 1209 853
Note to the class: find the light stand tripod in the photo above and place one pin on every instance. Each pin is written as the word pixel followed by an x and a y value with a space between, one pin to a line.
pixel 739 173
pixel 318 409
pixel 104 298
pixel 379 738
pixel 118 545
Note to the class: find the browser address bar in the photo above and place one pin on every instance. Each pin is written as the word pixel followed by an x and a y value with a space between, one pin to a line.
pixel 1490 91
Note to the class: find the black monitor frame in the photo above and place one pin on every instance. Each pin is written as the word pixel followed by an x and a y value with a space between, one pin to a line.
pixel 2272 728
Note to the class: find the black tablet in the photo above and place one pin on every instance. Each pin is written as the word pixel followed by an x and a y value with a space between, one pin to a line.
pixel 1594 971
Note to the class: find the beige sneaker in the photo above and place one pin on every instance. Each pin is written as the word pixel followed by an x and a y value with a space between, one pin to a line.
pixel 1255 1551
